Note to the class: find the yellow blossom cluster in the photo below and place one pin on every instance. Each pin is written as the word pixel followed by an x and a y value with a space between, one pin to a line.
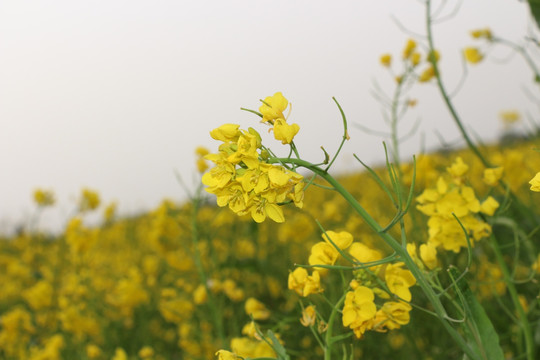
pixel 379 296
pixel 412 59
pixel 482 34
pixel 242 178
pixel 44 197
pixel 452 205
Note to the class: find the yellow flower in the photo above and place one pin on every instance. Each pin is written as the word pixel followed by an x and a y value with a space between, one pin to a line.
pixel 146 352
pixel 458 168
pixel 285 132
pixel 200 296
pixel 226 133
pixel 359 309
pixel 409 48
pixel 509 117
pixel 427 74
pixel 273 107
pixel 261 208
pixel 201 151
pixel 309 315
pixel 535 182
pixel 89 200
pixel 399 280
pixel 44 197
pixel 489 206
pixel 342 239
pixel 93 351
pixel 482 33
pixel 416 58
pixel 304 284
pixel 226 355
pixel 110 212
pixel 386 60
pixel 493 175
pixel 119 354
pixel 245 347
pixel 323 253
pixel 393 315
pixel 428 254
pixel 250 330
pixel 472 55
pixel 363 253
pixel 256 309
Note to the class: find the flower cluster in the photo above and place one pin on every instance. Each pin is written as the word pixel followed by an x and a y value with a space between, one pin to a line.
pixel 44 198
pixel 379 294
pixel 446 202
pixel 243 178
pixel 412 58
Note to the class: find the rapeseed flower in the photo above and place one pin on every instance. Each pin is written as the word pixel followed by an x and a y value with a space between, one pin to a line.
pixel 489 206
pixel 322 253
pixel 273 107
pixel 359 310
pixel 428 254
pixel 409 48
pixel 493 175
pixel 510 117
pixel 416 57
pixel 256 309
pixel 399 280
pixel 226 355
pixel 342 239
pixel 482 33
pixel 386 60
pixel 303 283
pixel 120 354
pixel 89 200
pixel 392 315
pixel 44 197
pixel 427 74
pixel 146 352
pixel 309 315
pixel 285 132
pixel 472 55
pixel 246 347
pixel 535 182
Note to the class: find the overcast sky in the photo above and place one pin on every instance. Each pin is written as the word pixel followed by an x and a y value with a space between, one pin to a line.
pixel 115 95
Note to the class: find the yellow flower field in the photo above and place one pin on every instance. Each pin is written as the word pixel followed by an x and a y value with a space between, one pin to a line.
pixel 275 257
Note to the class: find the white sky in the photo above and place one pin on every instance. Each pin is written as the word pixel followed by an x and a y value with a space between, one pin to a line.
pixel 115 95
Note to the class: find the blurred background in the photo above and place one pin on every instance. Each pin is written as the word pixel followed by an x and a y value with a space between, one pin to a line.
pixel 115 95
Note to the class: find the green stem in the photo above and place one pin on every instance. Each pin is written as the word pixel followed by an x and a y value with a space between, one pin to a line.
pixel 394 122
pixel 328 338
pixel 444 93
pixel 218 323
pixel 395 245
pixel 523 321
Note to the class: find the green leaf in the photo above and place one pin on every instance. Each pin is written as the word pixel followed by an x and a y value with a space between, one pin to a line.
pixel 534 5
pixel 278 348
pixel 477 327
